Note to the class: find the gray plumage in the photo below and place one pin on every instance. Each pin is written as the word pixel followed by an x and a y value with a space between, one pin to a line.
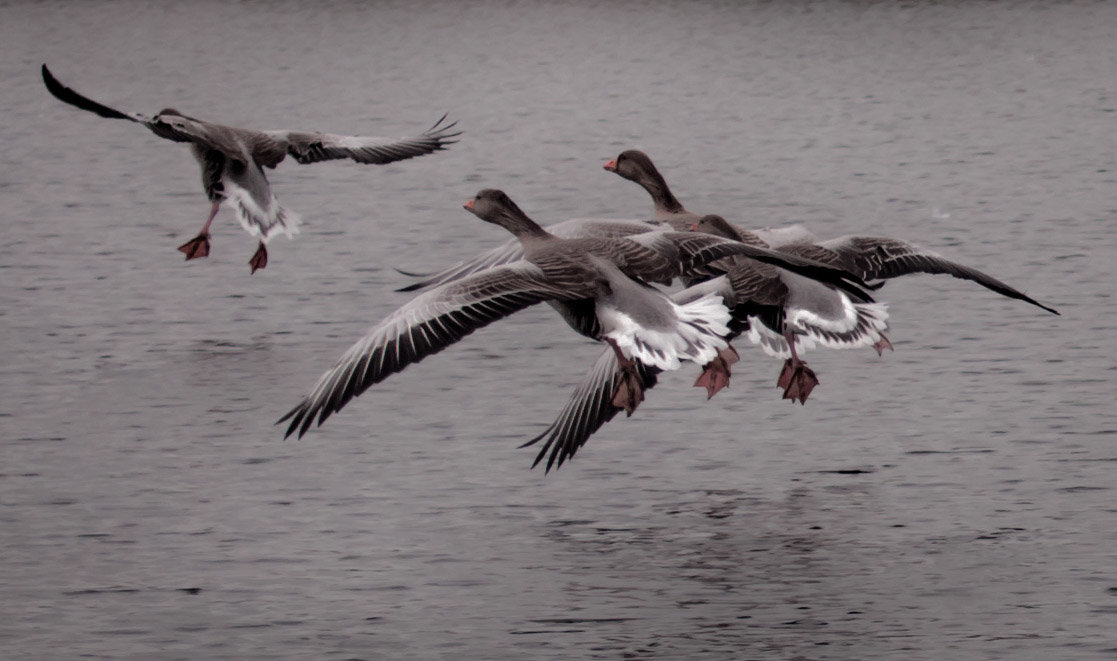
pixel 232 159
pixel 597 283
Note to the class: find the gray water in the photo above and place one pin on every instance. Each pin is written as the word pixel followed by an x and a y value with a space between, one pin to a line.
pixel 953 499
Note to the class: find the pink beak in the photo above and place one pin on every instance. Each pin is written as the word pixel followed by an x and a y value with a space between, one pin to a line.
pixel 611 166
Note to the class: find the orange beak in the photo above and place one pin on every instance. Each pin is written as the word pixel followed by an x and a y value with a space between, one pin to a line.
pixel 468 205
pixel 611 166
pixel 693 227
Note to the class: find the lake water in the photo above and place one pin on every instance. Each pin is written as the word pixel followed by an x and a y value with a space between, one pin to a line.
pixel 953 499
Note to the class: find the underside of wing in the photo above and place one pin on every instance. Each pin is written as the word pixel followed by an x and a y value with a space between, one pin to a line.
pixel 428 324
pixel 315 147
pixel 589 408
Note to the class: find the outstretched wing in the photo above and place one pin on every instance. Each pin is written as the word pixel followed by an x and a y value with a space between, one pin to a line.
pixel 590 407
pixel 695 251
pixel 67 95
pixel 428 324
pixel 591 404
pixel 167 124
pixel 874 258
pixel 511 250
pixel 315 147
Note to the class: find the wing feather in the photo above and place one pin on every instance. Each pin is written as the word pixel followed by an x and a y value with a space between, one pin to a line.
pixel 317 147
pixel 588 409
pixel 874 258
pixel 428 324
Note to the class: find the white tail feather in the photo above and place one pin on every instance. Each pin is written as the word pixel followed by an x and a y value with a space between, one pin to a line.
pixel 260 222
pixel 861 326
pixel 698 334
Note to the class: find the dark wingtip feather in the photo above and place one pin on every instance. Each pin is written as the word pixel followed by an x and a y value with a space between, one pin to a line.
pixel 442 133
pixel 440 120
pixel 296 416
pixel 306 422
pixel 535 440
pixel 410 274
pixel 1041 305
pixel 67 95
pixel 56 88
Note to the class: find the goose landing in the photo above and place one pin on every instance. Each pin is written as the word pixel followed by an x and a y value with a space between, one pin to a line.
pixel 232 162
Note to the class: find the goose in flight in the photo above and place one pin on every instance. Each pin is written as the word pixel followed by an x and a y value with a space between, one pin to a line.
pixel 233 159
pixel 787 314
pixel 870 258
pixel 600 285
pixel 632 164
pixel 781 311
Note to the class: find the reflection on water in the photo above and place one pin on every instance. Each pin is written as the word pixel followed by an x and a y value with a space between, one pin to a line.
pixel 953 497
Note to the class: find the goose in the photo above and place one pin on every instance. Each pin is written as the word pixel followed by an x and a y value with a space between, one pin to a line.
pixel 870 258
pixel 787 314
pixel 601 285
pixel 781 311
pixel 232 162
pixel 632 164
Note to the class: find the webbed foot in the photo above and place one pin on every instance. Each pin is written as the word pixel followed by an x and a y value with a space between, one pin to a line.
pixel 259 258
pixel 196 247
pixel 715 375
pixel 797 380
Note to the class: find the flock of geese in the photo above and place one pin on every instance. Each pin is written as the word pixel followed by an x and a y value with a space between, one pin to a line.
pixel 782 289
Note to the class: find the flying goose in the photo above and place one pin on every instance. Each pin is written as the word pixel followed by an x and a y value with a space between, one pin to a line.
pixel 634 165
pixel 787 314
pixel 871 258
pixel 233 159
pixel 780 310
pixel 599 284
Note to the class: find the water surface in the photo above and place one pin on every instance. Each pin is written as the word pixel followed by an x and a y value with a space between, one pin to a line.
pixel 953 498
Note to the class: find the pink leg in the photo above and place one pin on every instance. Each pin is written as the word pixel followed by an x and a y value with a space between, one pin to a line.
pixel 212 214
pixel 199 245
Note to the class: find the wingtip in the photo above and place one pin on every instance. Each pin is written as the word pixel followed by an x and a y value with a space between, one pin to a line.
pixel 48 78
pixel 410 274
